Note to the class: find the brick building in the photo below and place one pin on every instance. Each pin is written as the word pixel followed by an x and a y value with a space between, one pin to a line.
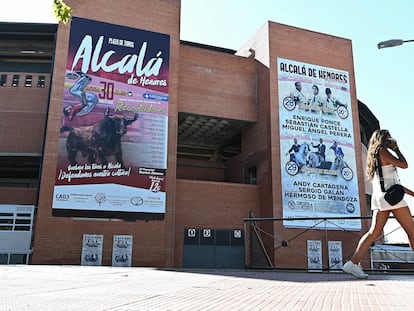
pixel 225 146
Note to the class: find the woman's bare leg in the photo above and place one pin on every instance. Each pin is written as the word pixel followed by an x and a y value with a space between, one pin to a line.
pixel 379 218
pixel 404 217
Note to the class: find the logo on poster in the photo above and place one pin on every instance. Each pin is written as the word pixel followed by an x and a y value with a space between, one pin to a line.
pixel 62 197
pixel 100 198
pixel 91 58
pixel 137 201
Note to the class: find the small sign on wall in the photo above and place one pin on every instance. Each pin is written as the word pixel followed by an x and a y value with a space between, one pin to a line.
pixel 122 251
pixel 92 245
pixel 191 233
pixel 335 254
pixel 315 255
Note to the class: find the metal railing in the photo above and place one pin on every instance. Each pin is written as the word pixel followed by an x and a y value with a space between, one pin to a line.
pixel 316 249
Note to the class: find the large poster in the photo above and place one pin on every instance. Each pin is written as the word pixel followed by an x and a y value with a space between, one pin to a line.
pixel 112 155
pixel 317 150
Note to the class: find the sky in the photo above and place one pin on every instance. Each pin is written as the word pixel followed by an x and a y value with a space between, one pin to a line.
pixel 384 78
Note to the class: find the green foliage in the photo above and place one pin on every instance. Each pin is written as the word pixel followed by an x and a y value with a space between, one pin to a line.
pixel 62 11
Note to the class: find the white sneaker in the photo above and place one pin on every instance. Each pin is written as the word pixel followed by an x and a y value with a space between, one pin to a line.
pixel 354 269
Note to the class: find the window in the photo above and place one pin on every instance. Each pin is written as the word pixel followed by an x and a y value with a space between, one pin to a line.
pixel 41 81
pixel 15 80
pixel 16 221
pixel 23 224
pixel 19 170
pixel 16 224
pixel 6 221
pixel 4 258
pixel 252 175
pixel 16 259
pixel 13 259
pixel 28 82
pixel 3 80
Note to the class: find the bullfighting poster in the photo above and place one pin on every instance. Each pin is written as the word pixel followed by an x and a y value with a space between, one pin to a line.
pixel 317 147
pixel 122 251
pixel 92 246
pixel 335 255
pixel 112 156
pixel 314 255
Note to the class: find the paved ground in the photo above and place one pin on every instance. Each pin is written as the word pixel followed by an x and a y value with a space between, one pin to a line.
pixel 106 288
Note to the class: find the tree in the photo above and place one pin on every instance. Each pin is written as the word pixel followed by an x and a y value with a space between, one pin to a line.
pixel 62 11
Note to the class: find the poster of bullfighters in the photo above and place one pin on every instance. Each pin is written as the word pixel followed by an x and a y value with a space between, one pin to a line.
pixel 112 156
pixel 317 147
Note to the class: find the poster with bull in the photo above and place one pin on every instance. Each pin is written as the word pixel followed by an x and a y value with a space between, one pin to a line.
pixel 112 155
pixel 317 147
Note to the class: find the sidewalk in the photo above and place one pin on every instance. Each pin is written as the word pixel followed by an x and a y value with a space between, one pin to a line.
pixel 27 287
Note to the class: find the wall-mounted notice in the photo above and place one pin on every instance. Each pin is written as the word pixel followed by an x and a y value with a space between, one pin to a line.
pixel 92 245
pixel 335 254
pixel 122 251
pixel 315 255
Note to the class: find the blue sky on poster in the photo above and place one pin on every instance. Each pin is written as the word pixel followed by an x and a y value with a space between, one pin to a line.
pixel 384 78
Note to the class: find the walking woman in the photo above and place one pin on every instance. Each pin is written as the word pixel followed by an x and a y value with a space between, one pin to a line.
pixel 380 146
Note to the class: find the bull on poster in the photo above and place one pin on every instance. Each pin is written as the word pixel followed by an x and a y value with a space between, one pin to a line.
pixel 317 147
pixel 112 155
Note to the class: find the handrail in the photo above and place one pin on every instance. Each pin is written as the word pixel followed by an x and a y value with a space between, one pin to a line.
pixel 286 241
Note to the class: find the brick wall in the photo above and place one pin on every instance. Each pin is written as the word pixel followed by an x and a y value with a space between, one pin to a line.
pixel 323 50
pixel 11 195
pixel 211 205
pixel 214 83
pixel 23 114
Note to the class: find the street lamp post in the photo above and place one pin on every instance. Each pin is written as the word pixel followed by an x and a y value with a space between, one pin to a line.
pixel 392 43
